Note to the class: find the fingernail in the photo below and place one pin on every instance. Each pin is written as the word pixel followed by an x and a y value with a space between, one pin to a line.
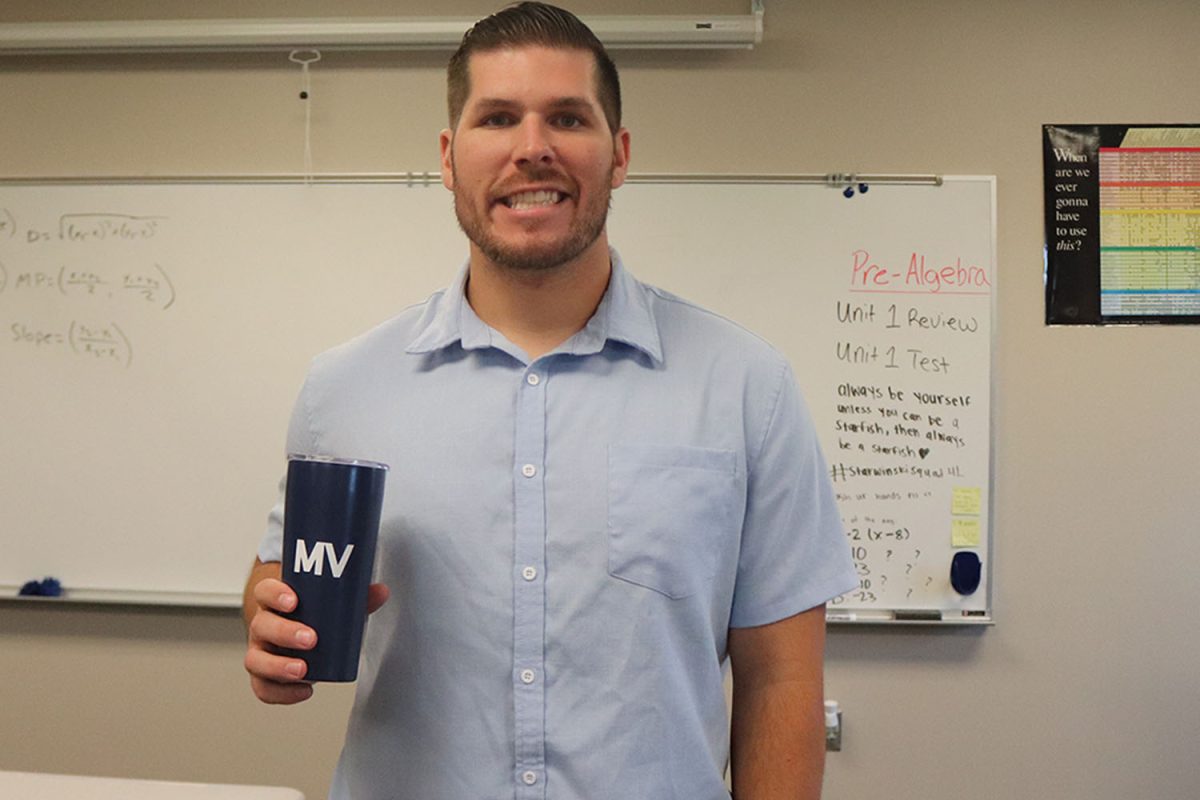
pixel 286 600
pixel 294 668
pixel 305 637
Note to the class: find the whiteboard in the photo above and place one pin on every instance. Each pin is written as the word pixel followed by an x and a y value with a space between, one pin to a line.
pixel 153 337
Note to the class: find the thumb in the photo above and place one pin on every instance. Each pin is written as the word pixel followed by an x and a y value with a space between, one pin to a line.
pixel 377 595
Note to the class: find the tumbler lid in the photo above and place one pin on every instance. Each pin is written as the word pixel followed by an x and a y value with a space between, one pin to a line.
pixel 348 462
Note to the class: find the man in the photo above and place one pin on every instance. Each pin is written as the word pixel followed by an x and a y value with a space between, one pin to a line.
pixel 597 493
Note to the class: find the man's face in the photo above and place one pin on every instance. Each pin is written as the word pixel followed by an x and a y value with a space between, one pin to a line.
pixel 532 162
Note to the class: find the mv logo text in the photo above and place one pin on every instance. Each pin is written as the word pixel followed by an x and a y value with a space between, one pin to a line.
pixel 314 560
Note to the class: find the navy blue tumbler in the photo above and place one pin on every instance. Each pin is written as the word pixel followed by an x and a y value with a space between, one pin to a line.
pixel 330 529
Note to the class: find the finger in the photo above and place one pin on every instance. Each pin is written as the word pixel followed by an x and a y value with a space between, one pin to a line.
pixel 377 595
pixel 273 667
pixel 270 628
pixel 274 594
pixel 280 693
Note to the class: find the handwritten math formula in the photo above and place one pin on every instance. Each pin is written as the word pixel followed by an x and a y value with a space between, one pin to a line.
pixel 906 420
pixel 76 286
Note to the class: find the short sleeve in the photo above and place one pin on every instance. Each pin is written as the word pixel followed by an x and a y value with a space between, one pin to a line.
pixel 794 554
pixel 299 440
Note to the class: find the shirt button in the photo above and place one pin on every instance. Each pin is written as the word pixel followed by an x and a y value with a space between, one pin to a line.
pixel 530 777
pixel 532 379
pixel 529 573
pixel 529 470
pixel 527 676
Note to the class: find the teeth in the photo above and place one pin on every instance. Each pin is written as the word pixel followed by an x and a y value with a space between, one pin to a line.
pixel 525 200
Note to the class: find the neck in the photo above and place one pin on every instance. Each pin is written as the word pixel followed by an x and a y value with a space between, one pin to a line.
pixel 538 310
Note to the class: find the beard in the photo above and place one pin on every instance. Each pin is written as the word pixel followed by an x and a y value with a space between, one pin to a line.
pixel 584 229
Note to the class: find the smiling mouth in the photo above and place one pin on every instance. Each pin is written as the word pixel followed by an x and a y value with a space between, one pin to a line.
pixel 539 199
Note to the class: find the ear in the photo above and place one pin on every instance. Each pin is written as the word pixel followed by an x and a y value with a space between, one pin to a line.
pixel 446 144
pixel 620 157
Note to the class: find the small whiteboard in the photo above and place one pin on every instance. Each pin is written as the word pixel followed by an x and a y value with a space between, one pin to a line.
pixel 153 337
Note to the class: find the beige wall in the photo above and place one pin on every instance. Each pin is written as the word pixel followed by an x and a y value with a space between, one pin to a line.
pixel 1085 688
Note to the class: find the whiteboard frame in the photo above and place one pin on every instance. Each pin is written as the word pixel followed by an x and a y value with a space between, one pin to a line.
pixel 874 617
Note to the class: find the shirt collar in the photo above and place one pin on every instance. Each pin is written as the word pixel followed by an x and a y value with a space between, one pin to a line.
pixel 624 315
pixel 448 318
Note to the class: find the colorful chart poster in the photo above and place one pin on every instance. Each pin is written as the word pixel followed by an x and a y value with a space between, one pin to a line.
pixel 1122 223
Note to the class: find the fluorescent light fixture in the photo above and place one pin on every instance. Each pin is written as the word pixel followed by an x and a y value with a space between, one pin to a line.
pixel 410 33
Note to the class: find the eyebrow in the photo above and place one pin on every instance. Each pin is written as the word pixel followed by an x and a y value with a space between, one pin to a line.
pixel 559 103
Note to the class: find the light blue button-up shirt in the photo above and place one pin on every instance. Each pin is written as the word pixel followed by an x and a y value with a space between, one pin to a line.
pixel 567 543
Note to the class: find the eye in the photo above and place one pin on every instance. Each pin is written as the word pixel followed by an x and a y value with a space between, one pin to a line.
pixel 497 120
pixel 569 121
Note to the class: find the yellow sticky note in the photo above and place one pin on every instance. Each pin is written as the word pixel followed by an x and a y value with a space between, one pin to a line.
pixel 966 500
pixel 964 532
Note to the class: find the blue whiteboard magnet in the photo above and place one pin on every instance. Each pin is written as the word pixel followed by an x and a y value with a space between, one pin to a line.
pixel 47 587
pixel 965 570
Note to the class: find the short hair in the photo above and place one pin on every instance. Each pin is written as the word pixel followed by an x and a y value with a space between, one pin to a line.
pixel 531 23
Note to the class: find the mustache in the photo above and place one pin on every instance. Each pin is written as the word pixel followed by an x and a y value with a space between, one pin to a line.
pixel 536 173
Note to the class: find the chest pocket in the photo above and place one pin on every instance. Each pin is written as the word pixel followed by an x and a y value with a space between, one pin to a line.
pixel 670 510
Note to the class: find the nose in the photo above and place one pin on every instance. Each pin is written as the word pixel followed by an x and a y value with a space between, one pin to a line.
pixel 533 144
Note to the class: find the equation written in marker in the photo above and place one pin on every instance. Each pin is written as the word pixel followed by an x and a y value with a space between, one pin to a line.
pixel 154 287
pixel 81 284
pixel 89 340
pixel 84 228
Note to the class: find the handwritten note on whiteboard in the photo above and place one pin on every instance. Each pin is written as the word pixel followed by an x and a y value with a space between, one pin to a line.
pixel 911 419
pixel 77 278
